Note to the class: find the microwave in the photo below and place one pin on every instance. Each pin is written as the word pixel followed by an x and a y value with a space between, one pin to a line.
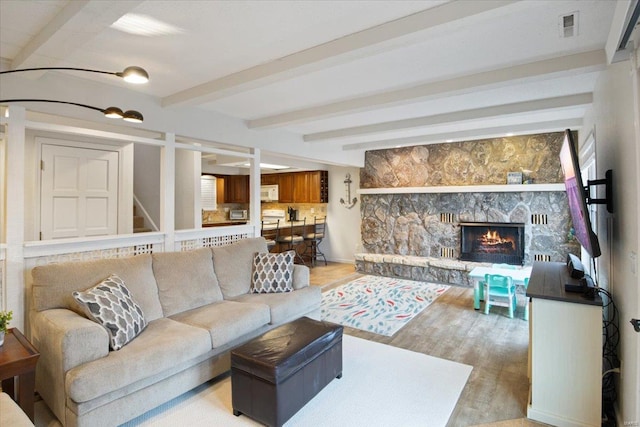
pixel 238 214
pixel 269 193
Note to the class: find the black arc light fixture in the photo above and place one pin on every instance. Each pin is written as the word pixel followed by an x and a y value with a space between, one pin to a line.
pixel 133 74
pixel 110 112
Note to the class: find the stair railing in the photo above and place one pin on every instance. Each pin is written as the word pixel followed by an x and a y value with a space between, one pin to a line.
pixel 145 214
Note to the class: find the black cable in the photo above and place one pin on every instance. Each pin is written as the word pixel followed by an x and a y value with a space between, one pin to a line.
pixel 610 341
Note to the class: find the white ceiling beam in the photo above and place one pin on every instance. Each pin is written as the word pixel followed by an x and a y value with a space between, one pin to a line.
pixel 621 15
pixel 517 74
pixel 77 23
pixel 471 134
pixel 456 116
pixel 337 51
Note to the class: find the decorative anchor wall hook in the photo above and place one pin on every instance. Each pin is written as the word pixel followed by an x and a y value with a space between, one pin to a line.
pixel 347 189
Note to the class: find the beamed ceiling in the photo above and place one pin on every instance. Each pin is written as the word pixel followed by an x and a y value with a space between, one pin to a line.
pixel 337 77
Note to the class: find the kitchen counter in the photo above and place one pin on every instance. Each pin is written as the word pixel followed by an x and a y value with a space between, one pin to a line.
pixel 283 224
pixel 224 223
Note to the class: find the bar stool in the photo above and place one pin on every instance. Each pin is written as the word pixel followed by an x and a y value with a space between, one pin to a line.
pixel 289 241
pixel 313 240
pixel 270 242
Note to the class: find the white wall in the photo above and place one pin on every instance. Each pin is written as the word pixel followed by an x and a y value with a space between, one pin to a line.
pixel 185 121
pixel 343 225
pixel 187 186
pixel 617 143
pixel 146 179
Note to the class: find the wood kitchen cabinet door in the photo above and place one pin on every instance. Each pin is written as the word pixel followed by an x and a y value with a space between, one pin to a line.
pixel 220 190
pixel 269 179
pixel 301 187
pixel 318 183
pixel 285 187
pixel 237 189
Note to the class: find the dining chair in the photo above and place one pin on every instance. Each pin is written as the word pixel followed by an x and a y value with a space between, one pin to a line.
pixel 290 240
pixel 313 240
pixel 268 235
pixel 499 291
pixel 503 266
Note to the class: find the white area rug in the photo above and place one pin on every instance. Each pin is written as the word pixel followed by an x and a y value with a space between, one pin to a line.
pixel 377 304
pixel 381 386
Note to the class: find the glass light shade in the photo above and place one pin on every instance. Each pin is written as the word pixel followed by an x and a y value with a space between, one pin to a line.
pixel 134 75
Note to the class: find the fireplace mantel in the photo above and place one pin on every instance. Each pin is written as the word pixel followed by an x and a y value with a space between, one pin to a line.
pixel 513 188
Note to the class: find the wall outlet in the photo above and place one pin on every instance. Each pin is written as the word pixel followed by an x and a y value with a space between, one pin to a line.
pixel 313 210
pixel 633 258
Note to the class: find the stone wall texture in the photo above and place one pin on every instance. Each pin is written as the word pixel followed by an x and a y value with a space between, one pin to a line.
pixel 427 224
pixel 481 162
pixel 412 224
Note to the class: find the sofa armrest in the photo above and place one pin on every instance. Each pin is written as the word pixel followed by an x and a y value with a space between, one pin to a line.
pixel 65 340
pixel 300 276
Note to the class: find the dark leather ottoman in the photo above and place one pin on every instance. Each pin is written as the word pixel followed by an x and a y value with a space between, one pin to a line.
pixel 276 374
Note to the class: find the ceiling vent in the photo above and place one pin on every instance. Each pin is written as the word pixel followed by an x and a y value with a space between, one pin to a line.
pixel 568 25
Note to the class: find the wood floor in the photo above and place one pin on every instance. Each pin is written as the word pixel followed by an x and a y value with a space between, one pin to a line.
pixel 495 345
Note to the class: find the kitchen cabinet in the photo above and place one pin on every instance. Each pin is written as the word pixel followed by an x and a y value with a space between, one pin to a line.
pixel 565 350
pixel 236 189
pixel 219 190
pixel 318 182
pixel 311 187
pixel 301 187
pixel 269 179
pixel 285 187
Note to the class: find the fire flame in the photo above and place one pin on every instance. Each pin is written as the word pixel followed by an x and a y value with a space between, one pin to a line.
pixel 493 238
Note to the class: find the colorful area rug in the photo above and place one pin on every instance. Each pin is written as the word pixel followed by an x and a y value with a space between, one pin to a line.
pixel 381 305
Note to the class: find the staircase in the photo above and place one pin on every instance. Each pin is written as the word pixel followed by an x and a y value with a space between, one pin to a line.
pixel 138 223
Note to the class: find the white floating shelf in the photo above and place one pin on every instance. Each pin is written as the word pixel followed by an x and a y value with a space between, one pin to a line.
pixel 513 188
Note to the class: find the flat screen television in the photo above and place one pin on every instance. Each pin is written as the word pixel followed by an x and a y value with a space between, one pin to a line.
pixel 577 196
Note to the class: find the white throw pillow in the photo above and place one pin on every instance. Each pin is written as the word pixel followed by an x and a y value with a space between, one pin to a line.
pixel 272 272
pixel 110 304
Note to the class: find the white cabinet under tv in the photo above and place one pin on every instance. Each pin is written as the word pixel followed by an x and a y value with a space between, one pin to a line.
pixel 565 351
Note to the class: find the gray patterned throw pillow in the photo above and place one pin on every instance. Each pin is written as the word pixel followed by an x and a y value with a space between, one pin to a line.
pixel 110 304
pixel 272 272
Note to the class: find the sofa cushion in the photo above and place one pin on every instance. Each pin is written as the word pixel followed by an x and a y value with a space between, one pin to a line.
pixel 226 320
pixel 164 346
pixel 285 307
pixel 185 280
pixel 272 272
pixel 232 264
pixel 53 284
pixel 110 304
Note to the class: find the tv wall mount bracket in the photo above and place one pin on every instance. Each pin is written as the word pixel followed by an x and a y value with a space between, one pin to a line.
pixel 608 191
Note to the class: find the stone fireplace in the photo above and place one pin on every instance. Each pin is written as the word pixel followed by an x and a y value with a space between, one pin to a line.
pixel 414 200
pixel 492 242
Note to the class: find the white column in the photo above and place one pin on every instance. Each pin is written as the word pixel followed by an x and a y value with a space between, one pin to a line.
pixel 15 267
pixel 254 190
pixel 197 189
pixel 167 190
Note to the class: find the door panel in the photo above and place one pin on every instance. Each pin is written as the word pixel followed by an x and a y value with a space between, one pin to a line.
pixel 79 192
pixel 65 216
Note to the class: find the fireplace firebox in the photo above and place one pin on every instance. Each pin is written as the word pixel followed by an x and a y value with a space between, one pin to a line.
pixel 494 242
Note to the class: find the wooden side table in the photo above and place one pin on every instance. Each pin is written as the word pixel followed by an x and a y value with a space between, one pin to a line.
pixel 18 360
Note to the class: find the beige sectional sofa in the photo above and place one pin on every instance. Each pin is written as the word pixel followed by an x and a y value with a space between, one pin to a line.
pixel 197 305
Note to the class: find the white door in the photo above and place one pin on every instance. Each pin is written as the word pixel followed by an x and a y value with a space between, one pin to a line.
pixel 79 192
